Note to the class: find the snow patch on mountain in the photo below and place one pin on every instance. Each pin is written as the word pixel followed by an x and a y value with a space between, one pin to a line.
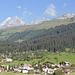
pixel 66 16
pixel 38 21
pixel 4 22
pixel 10 22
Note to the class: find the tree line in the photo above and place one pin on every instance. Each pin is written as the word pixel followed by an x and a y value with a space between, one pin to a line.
pixel 52 40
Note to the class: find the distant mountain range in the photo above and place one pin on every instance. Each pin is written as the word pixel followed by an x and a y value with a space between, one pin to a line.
pixel 10 22
pixel 38 21
pixel 15 29
pixel 66 16
pixel 16 21
pixel 53 35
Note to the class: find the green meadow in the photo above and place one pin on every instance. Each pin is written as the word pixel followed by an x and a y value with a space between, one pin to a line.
pixel 51 57
pixel 11 73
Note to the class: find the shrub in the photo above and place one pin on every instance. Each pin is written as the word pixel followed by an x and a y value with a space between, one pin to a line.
pixel 58 72
pixel 31 72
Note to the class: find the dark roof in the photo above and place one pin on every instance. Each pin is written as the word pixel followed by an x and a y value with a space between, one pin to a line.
pixel 68 67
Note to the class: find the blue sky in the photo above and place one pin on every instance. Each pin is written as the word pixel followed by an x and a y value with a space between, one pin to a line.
pixel 30 10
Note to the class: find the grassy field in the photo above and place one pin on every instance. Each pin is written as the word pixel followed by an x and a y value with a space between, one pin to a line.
pixel 73 73
pixel 63 56
pixel 53 57
pixel 11 73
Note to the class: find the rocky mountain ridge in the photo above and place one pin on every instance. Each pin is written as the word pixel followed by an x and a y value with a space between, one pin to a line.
pixel 16 21
pixel 66 16
pixel 10 22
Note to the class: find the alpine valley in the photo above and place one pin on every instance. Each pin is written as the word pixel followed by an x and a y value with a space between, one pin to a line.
pixel 52 35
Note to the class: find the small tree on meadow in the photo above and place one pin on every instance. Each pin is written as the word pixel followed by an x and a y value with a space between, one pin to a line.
pixel 58 72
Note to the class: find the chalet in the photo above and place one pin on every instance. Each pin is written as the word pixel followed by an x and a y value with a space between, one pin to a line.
pixel 7 60
pixel 25 71
pixel 24 68
pixel 37 71
pixel 67 69
pixel 45 69
pixel 48 63
pixel 48 70
pixel 1 68
pixel 64 63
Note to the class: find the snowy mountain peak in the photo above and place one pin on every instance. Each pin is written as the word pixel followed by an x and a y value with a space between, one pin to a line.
pixel 65 16
pixel 4 22
pixel 16 18
pixel 38 21
pixel 10 22
pixel 8 18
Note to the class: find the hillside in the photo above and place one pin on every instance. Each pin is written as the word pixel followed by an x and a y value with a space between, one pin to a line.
pixel 53 35
pixel 53 39
pixel 27 30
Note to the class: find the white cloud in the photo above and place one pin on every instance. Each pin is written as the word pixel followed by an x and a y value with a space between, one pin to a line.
pixel 26 15
pixel 50 10
pixel 30 13
pixel 25 12
pixel 65 4
pixel 19 7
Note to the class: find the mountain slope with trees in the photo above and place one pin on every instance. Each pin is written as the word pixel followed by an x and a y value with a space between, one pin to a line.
pixel 53 39
pixel 26 32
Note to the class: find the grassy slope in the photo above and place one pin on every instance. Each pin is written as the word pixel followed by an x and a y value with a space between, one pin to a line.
pixel 64 56
pixel 5 33
pixel 73 73
pixel 11 73
pixel 52 23
pixel 61 57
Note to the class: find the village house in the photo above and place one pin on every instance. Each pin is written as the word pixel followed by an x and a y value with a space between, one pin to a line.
pixel 50 71
pixel 7 60
pixel 1 68
pixel 36 68
pixel 64 64
pixel 45 68
pixel 24 68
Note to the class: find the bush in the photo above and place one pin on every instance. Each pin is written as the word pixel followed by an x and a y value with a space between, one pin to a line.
pixel 31 72
pixel 73 65
pixel 58 72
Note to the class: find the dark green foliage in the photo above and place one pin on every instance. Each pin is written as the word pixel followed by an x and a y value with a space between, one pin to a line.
pixel 31 72
pixel 72 65
pixel 58 72
pixel 8 46
pixel 52 40
pixel 26 35
pixel 56 59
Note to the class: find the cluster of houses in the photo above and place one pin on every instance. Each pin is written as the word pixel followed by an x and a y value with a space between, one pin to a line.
pixel 45 68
